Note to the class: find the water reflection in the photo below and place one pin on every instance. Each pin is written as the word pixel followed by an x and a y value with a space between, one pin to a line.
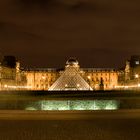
pixel 74 105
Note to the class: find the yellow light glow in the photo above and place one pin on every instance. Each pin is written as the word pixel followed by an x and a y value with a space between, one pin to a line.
pixel 43 77
pixel 17 87
pixel 136 76
pixel 66 85
pixel 89 77
pixel 128 86
pixel 5 86
pixel 78 85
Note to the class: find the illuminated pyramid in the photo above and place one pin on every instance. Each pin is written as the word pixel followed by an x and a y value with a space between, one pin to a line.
pixel 71 78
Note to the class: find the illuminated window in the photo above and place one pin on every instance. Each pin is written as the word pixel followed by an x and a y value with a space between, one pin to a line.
pixel 137 62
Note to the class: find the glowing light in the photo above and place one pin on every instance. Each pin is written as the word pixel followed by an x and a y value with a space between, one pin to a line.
pixel 78 85
pixel 5 86
pixel 43 77
pixel 137 62
pixel 30 108
pixel 75 105
pixel 136 76
pixel 89 77
pixel 128 86
pixel 17 87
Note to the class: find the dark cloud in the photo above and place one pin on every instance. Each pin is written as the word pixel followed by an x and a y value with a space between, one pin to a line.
pixel 13 32
pixel 47 32
pixel 34 1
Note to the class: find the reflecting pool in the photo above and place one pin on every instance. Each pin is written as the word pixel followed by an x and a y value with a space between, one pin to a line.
pixel 74 105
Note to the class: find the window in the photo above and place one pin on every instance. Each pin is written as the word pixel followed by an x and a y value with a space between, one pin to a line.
pixel 137 62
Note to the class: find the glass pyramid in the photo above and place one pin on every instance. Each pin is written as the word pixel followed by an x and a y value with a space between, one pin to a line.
pixel 71 78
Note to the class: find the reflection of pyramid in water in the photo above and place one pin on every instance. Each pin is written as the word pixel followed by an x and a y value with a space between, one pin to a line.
pixel 70 80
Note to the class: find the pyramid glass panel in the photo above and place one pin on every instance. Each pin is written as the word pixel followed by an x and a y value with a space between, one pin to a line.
pixel 71 78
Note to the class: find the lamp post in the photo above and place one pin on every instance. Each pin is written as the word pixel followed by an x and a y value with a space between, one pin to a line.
pixel 137 77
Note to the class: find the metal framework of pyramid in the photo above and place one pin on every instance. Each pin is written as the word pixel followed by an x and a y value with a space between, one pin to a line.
pixel 70 80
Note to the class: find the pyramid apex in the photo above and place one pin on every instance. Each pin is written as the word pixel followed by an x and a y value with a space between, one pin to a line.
pixel 72 62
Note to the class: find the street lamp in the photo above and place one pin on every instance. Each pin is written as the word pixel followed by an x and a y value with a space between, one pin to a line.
pixel 137 77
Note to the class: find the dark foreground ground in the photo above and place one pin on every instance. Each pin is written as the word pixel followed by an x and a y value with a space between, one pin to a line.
pixel 73 125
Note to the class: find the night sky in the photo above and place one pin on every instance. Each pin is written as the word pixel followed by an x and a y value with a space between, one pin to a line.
pixel 45 33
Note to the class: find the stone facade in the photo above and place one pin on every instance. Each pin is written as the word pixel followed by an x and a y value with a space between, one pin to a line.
pixel 42 79
pixel 11 79
pixel 11 75
pixel 97 78
pixel 132 71
pixel 7 77
pixel 94 76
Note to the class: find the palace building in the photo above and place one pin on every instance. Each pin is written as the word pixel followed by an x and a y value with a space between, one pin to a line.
pixel 11 75
pixel 70 77
pixel 132 71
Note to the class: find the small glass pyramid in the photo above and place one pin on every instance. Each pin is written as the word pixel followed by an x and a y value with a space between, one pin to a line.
pixel 71 78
